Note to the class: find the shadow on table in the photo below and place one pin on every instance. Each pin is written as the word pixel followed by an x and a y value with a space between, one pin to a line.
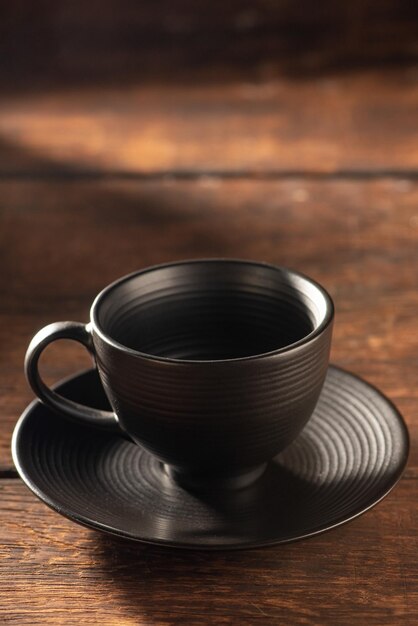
pixel 100 228
pixel 150 581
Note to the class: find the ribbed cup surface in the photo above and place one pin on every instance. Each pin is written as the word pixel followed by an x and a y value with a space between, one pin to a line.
pixel 210 311
pixel 184 388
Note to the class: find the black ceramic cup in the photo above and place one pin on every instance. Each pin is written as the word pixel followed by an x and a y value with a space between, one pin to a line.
pixel 214 366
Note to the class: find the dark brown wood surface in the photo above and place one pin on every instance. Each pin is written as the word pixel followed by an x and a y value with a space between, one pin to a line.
pixel 260 130
pixel 327 124
pixel 64 574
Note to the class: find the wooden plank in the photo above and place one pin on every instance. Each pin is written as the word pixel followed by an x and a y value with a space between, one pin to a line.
pixel 121 40
pixel 162 86
pixel 352 123
pixel 364 572
pixel 61 242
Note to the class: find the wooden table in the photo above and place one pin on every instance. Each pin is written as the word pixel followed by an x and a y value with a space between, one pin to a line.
pixel 209 154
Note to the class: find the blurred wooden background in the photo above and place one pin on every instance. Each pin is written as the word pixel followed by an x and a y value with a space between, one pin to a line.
pixel 136 133
pixel 191 87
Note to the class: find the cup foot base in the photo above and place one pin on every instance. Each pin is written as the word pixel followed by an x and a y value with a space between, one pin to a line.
pixel 204 481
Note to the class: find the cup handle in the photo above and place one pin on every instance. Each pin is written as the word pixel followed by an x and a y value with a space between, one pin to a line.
pixel 78 412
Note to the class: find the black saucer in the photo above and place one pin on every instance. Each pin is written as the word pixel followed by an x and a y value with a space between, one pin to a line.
pixel 348 457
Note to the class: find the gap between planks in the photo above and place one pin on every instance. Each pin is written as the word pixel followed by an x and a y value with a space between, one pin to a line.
pixel 74 174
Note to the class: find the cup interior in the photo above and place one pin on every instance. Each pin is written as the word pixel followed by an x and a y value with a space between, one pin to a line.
pixel 210 310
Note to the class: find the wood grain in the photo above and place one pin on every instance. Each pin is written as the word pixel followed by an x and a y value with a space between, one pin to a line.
pixel 359 573
pixel 186 87
pixel 49 42
pixel 133 135
pixel 269 126
pixel 61 242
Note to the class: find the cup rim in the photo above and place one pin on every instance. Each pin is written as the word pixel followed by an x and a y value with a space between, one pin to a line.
pixel 318 330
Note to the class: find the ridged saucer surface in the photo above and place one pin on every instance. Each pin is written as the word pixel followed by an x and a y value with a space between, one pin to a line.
pixel 348 457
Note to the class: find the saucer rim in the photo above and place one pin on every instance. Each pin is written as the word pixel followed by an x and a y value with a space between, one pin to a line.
pixel 241 545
